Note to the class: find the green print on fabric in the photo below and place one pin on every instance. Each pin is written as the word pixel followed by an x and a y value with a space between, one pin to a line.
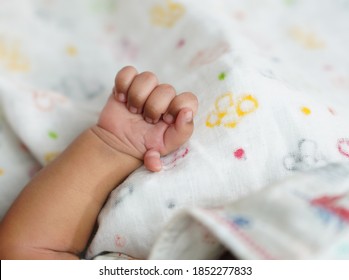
pixel 104 6
pixel 222 76
pixel 290 2
pixel 53 135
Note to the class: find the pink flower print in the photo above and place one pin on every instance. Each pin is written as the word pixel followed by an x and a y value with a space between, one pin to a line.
pixel 174 158
pixel 120 241
pixel 209 55
pixel 343 146
pixel 180 43
pixel 46 101
pixel 129 48
pixel 240 153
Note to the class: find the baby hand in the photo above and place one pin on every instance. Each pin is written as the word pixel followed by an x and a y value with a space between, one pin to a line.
pixel 145 119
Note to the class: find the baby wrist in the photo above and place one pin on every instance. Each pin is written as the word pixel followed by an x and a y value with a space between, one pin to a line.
pixel 114 144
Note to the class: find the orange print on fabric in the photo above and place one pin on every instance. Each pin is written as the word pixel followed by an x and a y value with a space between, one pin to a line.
pixel 167 15
pixel 50 156
pixel 229 111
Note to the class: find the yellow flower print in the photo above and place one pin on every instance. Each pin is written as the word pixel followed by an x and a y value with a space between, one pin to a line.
pixel 307 39
pixel 12 57
pixel 167 15
pixel 245 105
pixel 229 112
pixel 305 110
pixel 71 50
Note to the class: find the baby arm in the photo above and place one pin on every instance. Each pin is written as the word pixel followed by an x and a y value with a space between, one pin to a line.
pixel 54 215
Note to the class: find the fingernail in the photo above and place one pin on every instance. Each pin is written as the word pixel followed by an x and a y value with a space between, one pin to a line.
pixel 158 167
pixel 188 117
pixel 148 120
pixel 122 97
pixel 133 110
pixel 168 118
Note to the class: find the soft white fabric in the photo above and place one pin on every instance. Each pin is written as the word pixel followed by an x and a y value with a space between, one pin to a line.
pixel 304 217
pixel 271 78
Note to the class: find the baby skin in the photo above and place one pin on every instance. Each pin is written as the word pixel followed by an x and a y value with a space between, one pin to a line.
pixel 54 216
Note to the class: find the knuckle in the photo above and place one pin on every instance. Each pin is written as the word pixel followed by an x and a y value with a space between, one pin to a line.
pixel 128 68
pixel 167 88
pixel 189 95
pixel 149 76
pixel 195 100
pixel 152 111
pixel 179 100
pixel 136 99
pixel 189 98
pixel 125 73
pixel 186 99
pixel 121 83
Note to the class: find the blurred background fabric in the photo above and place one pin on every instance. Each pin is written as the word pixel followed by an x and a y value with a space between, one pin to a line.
pixel 284 62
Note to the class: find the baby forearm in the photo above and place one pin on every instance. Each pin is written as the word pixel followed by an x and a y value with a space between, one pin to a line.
pixel 55 214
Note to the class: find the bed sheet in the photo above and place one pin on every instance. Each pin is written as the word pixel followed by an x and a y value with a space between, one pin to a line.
pixel 272 79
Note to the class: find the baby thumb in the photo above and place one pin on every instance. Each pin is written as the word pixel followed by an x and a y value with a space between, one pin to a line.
pixel 179 132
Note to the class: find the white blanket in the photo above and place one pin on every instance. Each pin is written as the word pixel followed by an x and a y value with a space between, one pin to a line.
pixel 271 76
